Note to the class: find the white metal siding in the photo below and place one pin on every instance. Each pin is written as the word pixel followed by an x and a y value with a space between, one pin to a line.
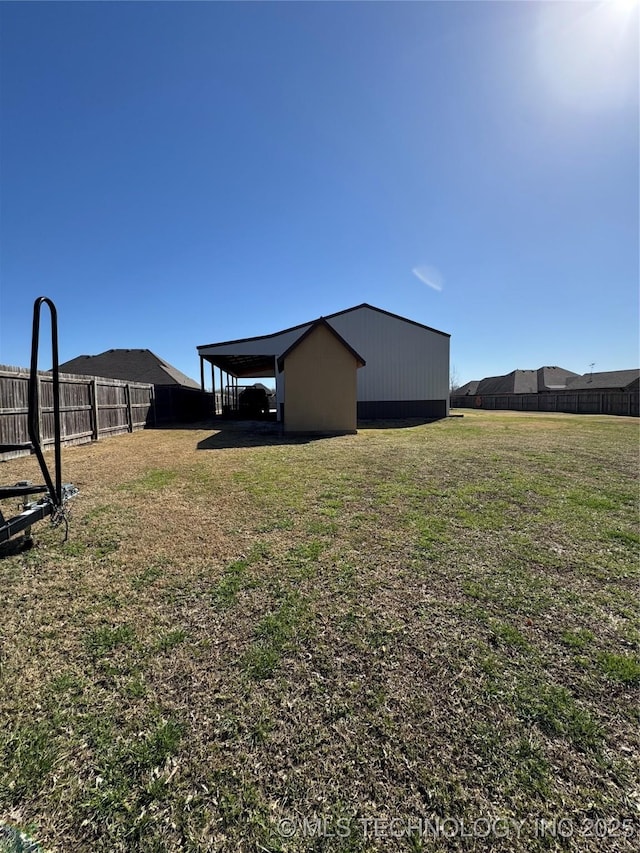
pixel 403 361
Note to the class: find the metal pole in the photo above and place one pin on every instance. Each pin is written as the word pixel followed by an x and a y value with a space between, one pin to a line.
pixel 34 400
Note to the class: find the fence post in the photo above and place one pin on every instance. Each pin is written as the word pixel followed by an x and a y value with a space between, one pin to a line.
pixel 93 393
pixel 127 394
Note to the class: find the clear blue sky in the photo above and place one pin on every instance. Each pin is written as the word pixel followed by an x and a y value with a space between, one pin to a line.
pixel 175 174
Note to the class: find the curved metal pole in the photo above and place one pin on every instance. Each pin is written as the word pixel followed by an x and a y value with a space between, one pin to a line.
pixel 55 491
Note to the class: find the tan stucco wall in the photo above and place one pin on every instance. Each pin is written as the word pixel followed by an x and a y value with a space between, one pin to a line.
pixel 320 386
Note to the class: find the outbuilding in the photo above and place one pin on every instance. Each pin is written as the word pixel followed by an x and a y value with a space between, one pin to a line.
pixel 404 370
pixel 329 403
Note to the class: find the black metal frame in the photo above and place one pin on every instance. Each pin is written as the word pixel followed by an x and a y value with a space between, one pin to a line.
pixel 55 490
pixel 55 493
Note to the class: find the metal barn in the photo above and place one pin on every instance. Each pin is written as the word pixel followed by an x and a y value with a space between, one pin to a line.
pixel 405 375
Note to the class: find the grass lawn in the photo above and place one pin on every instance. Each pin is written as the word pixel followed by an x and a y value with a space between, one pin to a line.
pixel 266 646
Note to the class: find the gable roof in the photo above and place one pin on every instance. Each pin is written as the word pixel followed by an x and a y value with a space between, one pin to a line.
pixel 317 324
pixel 326 317
pixel 134 365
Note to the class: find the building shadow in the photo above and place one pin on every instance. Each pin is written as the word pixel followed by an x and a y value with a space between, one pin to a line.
pixel 233 434
pixel 397 423
pixel 251 433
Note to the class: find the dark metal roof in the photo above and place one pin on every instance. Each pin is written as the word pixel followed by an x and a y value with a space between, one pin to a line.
pixel 320 322
pixel 245 365
pixel 326 317
pixel 134 365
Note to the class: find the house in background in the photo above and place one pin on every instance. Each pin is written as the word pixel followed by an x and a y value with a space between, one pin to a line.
pixel 176 396
pixel 134 365
pixel 554 378
pixel 610 380
pixel 525 381
pixel 554 389
pixel 466 390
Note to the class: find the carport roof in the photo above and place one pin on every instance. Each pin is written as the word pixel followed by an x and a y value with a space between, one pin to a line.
pixel 244 365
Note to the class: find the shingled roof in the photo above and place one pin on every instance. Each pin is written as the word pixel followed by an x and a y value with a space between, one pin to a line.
pixel 134 365
pixel 621 379
pixel 516 382
pixel 553 378
pixel 469 388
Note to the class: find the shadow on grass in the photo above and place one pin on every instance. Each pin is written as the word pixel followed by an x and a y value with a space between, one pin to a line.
pixel 398 423
pixel 232 434
pixel 12 548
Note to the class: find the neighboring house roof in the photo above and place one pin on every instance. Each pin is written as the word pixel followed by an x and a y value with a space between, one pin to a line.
pixel 319 323
pixel 468 388
pixel 622 379
pixel 259 385
pixel 553 378
pixel 516 382
pixel 134 365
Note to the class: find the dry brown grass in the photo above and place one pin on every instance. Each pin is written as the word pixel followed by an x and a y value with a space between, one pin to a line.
pixel 429 622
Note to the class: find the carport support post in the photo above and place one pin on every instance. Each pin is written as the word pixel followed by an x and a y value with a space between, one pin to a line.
pixel 275 384
pixel 221 393
pixel 201 373
pixel 213 388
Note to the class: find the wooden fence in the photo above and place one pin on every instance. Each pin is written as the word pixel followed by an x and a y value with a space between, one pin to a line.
pixel 573 402
pixel 90 407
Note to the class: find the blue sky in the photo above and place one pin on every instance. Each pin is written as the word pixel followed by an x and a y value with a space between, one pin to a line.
pixel 175 174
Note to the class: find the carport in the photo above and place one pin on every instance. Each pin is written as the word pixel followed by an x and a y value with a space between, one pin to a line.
pixel 247 358
pixel 231 368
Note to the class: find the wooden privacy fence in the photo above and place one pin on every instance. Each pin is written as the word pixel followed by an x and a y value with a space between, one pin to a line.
pixel 90 407
pixel 575 402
